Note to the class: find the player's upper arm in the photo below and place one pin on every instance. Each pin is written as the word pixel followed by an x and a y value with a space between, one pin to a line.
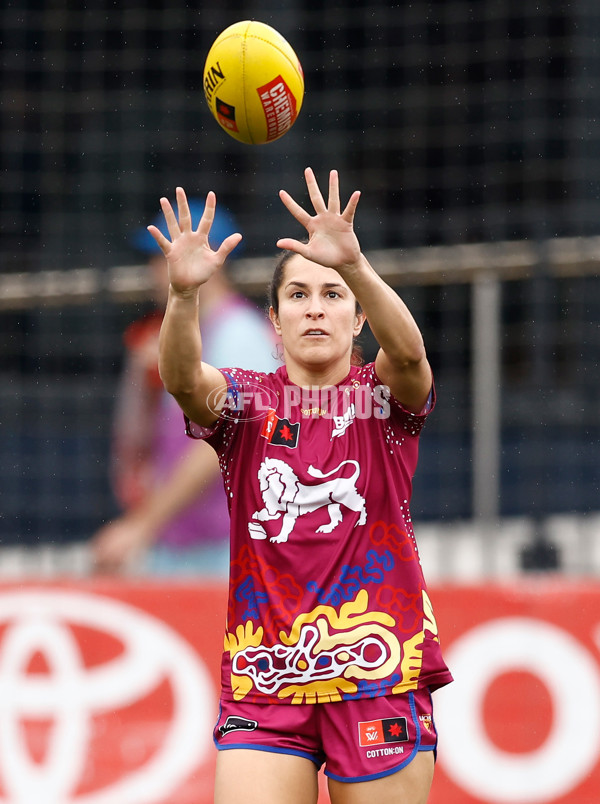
pixel 203 405
pixel 410 383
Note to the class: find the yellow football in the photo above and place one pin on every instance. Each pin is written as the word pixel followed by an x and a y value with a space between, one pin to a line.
pixel 253 82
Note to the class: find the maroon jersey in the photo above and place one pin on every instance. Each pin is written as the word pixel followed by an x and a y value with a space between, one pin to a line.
pixel 327 597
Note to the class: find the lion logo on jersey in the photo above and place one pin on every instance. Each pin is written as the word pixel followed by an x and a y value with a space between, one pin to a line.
pixel 285 496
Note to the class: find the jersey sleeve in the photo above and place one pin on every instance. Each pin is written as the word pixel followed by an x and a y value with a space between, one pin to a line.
pixel 248 397
pixel 411 422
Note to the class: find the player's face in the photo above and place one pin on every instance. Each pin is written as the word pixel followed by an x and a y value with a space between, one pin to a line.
pixel 317 317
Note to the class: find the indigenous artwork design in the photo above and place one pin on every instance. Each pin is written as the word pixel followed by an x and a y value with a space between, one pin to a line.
pixel 361 637
pixel 330 653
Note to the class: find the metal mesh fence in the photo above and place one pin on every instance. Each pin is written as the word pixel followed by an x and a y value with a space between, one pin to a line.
pixel 461 122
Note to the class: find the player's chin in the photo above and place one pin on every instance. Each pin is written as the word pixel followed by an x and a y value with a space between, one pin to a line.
pixel 318 341
pixel 319 347
pixel 320 355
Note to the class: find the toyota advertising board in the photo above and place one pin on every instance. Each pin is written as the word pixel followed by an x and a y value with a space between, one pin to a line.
pixel 521 722
pixel 109 692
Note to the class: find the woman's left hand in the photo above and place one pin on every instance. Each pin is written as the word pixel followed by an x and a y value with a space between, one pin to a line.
pixel 331 238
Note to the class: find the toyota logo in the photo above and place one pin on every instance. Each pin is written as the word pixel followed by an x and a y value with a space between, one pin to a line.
pixel 48 678
pixel 570 674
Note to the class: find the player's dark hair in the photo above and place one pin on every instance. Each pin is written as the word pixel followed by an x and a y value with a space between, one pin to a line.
pixel 356 358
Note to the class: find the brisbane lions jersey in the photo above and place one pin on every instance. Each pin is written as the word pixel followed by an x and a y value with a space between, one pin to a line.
pixel 327 599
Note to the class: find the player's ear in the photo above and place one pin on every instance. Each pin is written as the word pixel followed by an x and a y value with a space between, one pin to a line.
pixel 274 318
pixel 359 323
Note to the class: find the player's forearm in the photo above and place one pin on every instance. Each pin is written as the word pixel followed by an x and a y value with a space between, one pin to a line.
pixel 391 321
pixel 180 344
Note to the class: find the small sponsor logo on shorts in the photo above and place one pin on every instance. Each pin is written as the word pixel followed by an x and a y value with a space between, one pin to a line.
pixel 385 752
pixel 427 721
pixel 387 730
pixel 235 723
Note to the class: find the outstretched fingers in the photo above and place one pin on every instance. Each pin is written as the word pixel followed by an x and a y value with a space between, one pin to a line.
pixel 314 192
pixel 227 246
pixel 333 204
pixel 185 216
pixel 350 210
pixel 208 215
pixel 162 242
pixel 170 217
pixel 183 211
pixel 292 206
pixel 288 244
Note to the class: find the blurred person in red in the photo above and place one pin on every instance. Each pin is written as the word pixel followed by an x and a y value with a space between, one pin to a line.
pixel 175 517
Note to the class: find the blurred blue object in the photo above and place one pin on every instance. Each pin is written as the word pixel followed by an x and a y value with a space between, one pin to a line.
pixel 223 225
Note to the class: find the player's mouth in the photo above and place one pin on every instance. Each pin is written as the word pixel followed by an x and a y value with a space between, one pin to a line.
pixel 315 332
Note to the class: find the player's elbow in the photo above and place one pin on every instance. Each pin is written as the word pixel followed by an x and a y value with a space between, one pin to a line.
pixel 179 385
pixel 409 354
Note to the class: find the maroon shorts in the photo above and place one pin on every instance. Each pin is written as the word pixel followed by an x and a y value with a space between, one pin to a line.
pixel 357 740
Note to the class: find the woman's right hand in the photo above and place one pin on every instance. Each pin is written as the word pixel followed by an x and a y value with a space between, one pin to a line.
pixel 191 260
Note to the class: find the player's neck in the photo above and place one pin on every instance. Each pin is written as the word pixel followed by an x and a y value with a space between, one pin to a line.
pixel 322 377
